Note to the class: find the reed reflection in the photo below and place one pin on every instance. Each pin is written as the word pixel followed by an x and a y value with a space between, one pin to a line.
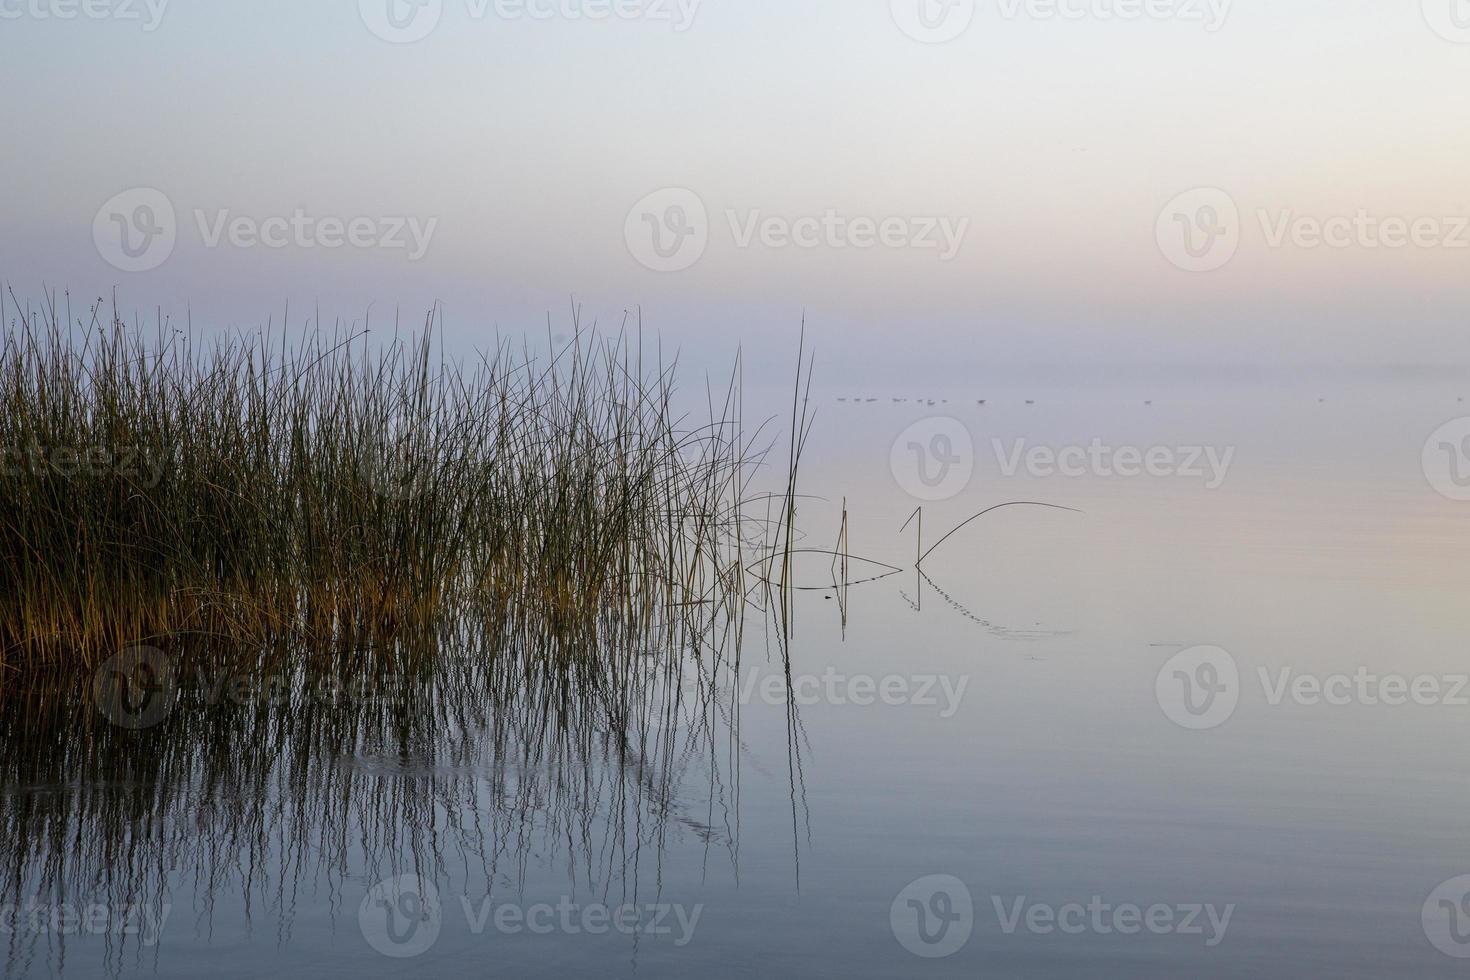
pixel 275 779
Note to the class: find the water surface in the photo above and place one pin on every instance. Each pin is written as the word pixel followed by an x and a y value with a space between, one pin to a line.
pixel 905 785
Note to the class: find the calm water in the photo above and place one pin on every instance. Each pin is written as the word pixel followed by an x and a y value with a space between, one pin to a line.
pixel 1020 763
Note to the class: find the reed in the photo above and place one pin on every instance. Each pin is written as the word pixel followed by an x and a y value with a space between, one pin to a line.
pixel 352 493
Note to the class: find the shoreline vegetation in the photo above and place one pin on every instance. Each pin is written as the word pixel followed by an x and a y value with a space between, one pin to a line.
pixel 339 492
pixel 275 612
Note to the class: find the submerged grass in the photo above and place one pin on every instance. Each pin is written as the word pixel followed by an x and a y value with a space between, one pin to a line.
pixel 354 493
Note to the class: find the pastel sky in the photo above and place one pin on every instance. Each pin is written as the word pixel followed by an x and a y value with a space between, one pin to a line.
pixel 1053 139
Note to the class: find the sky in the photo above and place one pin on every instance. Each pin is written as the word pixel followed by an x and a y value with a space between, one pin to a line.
pixel 941 188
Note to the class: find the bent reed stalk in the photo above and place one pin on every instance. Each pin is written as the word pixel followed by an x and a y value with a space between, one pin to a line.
pixel 354 494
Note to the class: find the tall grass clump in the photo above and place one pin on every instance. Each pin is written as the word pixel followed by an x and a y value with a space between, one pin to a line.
pixel 353 491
